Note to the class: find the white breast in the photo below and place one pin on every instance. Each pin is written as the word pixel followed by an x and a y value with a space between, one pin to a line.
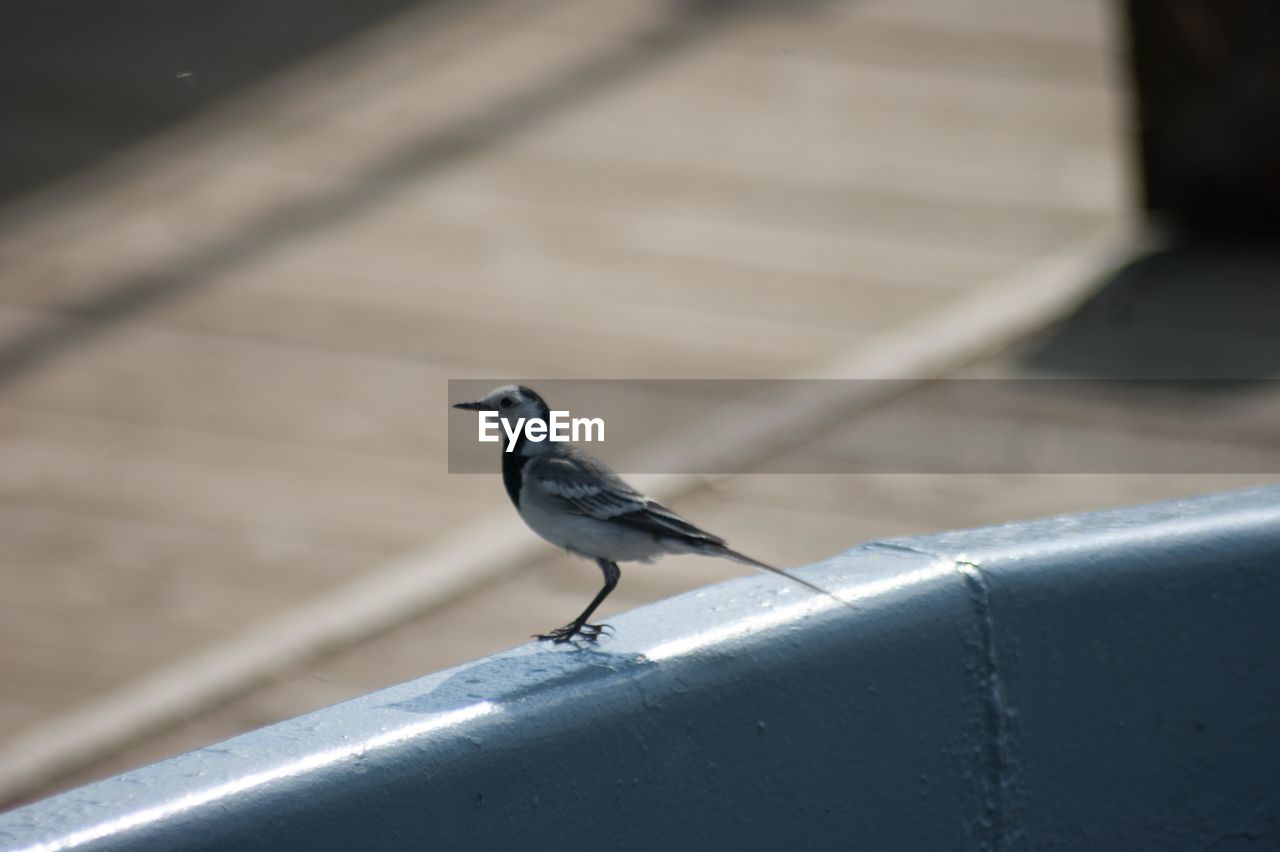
pixel 585 536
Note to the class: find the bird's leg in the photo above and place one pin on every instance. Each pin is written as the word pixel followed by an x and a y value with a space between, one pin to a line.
pixel 579 626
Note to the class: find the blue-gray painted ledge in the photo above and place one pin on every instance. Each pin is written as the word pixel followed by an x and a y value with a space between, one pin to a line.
pixel 1094 682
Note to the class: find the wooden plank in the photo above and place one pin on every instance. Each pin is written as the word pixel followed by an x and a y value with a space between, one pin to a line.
pixel 536 184
pixel 73 562
pixel 665 339
pixel 861 36
pixel 504 241
pixel 114 645
pixel 1086 21
pixel 48 679
pixel 183 479
pixel 923 154
pixel 726 82
pixel 430 315
pixel 201 382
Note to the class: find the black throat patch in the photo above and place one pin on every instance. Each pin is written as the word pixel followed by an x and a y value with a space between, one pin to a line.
pixel 513 470
pixel 514 461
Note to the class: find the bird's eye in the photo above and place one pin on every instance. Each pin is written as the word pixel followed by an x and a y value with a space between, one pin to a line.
pixel 506 402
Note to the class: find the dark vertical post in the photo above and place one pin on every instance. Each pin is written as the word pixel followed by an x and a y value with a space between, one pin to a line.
pixel 1208 112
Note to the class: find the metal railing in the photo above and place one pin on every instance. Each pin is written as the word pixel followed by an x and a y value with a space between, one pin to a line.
pixel 1100 681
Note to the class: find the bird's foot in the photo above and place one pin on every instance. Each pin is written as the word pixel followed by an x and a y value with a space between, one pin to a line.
pixel 571 632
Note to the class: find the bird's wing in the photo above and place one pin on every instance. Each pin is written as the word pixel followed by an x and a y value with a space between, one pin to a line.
pixel 583 486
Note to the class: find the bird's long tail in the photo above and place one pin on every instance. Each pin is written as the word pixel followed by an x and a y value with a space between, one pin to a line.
pixel 761 566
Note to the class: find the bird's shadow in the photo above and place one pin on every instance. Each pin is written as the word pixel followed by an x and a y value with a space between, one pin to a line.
pixel 521 677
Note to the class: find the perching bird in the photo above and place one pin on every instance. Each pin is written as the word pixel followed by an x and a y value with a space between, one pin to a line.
pixel 573 501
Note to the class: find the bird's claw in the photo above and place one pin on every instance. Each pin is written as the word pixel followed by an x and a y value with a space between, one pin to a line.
pixel 572 632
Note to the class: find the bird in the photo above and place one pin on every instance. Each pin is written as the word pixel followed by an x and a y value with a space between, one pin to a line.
pixel 573 500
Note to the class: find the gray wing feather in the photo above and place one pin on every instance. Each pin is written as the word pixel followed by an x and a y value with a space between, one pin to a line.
pixel 584 486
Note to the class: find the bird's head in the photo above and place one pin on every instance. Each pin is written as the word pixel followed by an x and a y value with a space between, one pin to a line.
pixel 512 402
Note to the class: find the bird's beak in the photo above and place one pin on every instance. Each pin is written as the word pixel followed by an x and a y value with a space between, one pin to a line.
pixel 469 406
